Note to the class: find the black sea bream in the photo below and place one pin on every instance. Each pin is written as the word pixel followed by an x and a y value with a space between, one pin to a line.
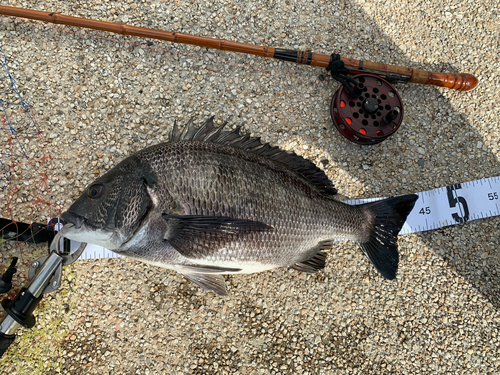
pixel 210 202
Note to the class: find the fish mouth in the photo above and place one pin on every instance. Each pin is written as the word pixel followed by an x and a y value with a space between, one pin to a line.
pixel 73 218
pixel 77 229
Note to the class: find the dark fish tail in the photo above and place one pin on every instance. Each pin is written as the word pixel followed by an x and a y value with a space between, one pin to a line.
pixel 387 219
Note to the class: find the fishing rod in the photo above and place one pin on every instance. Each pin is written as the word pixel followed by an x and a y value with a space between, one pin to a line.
pixel 360 110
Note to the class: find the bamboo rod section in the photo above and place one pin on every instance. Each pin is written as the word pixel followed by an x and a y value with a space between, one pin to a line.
pixel 460 82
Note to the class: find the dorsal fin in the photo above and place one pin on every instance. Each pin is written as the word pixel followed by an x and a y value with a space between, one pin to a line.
pixel 208 133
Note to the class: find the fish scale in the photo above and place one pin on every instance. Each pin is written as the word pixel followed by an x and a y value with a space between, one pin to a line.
pixel 274 194
pixel 211 202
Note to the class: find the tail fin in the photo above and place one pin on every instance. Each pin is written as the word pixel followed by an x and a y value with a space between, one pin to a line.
pixel 381 248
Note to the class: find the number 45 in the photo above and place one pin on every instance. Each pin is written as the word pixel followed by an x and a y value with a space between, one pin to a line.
pixel 425 211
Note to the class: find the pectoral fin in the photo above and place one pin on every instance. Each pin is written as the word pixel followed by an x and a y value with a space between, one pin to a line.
pixel 201 236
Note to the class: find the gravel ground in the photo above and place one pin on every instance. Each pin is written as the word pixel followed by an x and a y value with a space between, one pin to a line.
pixel 99 96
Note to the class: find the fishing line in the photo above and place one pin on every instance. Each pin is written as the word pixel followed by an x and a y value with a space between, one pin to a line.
pixel 26 164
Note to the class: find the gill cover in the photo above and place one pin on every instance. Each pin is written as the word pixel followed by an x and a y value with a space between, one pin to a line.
pixel 116 202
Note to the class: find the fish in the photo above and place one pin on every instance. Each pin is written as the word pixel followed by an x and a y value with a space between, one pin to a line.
pixel 210 202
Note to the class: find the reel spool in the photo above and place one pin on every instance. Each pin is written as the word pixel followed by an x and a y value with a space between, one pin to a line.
pixel 372 117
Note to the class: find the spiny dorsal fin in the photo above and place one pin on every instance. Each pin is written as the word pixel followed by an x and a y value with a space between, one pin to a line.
pixel 191 132
pixel 208 133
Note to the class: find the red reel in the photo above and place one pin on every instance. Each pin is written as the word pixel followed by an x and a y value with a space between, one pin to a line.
pixel 374 116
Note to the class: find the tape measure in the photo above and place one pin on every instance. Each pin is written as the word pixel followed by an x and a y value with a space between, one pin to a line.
pixel 437 208
pixel 450 205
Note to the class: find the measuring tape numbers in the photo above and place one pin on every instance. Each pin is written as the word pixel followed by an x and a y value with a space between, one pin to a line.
pixel 450 205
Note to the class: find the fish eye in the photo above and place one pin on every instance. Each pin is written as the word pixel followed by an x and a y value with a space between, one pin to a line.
pixel 95 191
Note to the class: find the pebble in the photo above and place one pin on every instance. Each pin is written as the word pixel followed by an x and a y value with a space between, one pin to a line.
pixel 98 99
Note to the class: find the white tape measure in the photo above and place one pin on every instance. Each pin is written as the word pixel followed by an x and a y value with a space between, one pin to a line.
pixel 450 205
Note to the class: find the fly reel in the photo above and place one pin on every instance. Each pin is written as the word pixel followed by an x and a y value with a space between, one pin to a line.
pixel 373 116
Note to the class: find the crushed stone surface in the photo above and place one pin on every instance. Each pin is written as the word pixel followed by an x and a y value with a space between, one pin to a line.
pixel 99 97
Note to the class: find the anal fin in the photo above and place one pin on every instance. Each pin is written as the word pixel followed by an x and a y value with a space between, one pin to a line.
pixel 317 261
pixel 312 265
